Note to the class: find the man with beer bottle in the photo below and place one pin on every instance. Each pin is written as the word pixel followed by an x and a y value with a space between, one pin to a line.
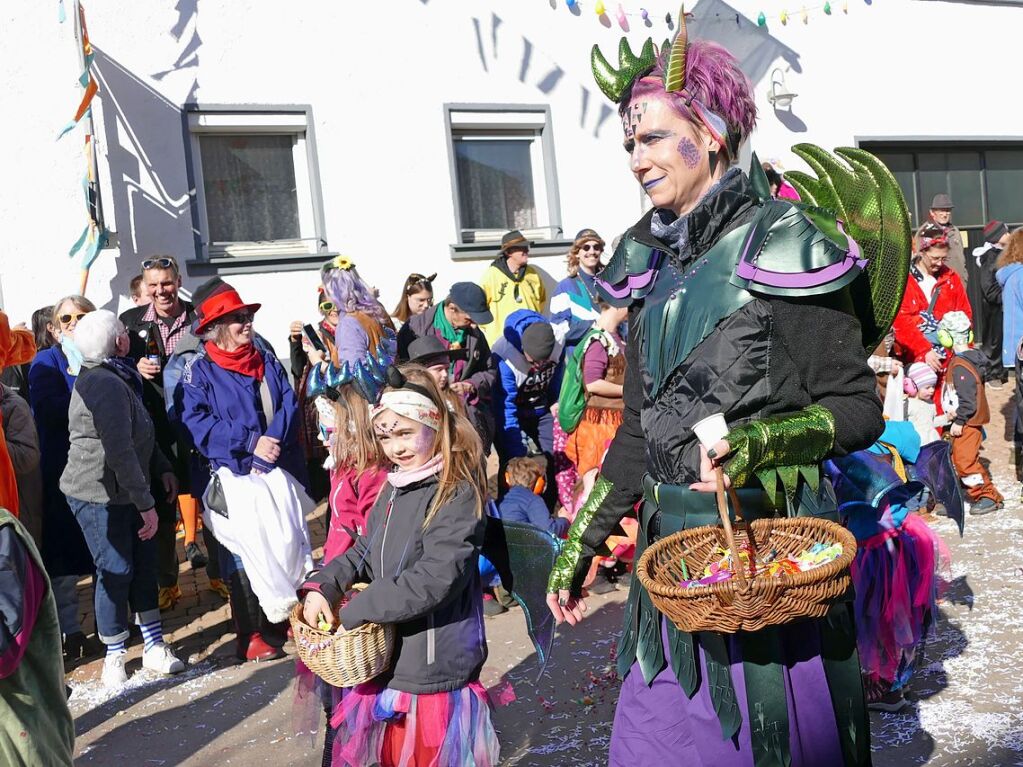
pixel 155 330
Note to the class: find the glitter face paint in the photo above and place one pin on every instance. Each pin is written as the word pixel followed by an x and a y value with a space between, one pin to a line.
pixel 690 154
pixel 407 444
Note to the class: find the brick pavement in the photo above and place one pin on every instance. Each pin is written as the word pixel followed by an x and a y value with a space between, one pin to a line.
pixel 200 623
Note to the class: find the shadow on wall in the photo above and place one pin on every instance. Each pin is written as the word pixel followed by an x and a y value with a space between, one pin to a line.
pixel 715 20
pixel 757 51
pixel 145 156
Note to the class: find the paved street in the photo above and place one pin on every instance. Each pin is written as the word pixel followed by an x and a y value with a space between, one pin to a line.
pixel 968 707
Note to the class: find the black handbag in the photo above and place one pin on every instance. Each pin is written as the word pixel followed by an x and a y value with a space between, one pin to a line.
pixel 215 500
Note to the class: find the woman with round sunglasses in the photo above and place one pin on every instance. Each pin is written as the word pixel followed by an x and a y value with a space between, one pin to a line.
pixel 66 556
pixel 572 303
pixel 573 313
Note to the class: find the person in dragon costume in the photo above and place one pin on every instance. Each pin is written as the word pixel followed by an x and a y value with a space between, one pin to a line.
pixel 762 310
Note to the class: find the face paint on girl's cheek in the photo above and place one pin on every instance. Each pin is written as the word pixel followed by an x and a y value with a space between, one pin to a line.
pixel 690 153
pixel 424 442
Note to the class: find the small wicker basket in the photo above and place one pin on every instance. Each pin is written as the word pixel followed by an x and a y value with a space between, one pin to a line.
pixel 343 658
pixel 745 602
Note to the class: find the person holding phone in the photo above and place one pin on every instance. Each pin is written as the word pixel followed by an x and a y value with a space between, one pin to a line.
pixel 306 352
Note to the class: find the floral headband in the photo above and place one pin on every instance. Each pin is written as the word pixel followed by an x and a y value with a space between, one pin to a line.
pixel 339 262
pixel 411 404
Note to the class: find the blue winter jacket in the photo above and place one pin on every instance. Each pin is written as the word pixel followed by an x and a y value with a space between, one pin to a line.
pixel 223 414
pixel 523 387
pixel 521 505
pixel 1011 279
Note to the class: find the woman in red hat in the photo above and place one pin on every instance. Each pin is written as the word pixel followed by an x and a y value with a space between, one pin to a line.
pixel 242 414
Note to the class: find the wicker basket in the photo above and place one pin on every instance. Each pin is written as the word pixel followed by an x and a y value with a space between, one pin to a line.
pixel 745 602
pixel 343 658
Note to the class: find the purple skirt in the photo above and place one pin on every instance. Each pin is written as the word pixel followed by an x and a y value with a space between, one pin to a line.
pixel 658 725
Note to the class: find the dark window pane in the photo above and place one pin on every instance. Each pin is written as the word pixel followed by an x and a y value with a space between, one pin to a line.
pixel 249 182
pixel 956 174
pixel 901 166
pixel 933 179
pixel 495 184
pixel 1005 184
pixel 964 186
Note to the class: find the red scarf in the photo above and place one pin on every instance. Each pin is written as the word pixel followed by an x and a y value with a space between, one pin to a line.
pixel 245 359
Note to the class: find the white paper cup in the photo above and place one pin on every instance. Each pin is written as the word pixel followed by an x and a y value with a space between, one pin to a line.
pixel 711 430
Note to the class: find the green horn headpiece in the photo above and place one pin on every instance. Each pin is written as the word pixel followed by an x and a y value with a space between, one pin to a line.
pixel 614 82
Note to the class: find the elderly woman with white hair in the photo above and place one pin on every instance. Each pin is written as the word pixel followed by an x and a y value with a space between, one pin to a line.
pixel 107 484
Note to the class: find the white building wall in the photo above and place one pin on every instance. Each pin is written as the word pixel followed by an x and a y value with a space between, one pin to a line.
pixel 377 75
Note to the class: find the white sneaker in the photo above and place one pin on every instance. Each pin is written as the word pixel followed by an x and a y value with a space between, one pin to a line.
pixel 114 674
pixel 160 658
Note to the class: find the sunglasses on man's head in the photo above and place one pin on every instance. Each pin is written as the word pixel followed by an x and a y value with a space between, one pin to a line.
pixel 164 262
pixel 593 246
pixel 67 319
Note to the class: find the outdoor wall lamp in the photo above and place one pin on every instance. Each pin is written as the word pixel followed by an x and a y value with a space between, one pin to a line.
pixel 780 97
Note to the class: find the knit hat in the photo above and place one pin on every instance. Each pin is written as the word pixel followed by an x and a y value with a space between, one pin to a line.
pixel 922 375
pixel 957 325
pixel 585 235
pixel 994 230
pixel 538 340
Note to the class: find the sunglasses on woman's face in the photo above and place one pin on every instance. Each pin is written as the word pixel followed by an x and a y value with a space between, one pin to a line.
pixel 326 307
pixel 593 246
pixel 242 318
pixel 67 319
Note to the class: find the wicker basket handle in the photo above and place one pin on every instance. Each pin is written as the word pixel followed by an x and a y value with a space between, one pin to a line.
pixel 740 574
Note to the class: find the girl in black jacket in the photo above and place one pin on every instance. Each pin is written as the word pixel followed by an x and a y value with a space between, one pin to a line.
pixel 419 556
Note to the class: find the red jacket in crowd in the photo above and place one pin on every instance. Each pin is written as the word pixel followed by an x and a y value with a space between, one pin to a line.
pixel 910 343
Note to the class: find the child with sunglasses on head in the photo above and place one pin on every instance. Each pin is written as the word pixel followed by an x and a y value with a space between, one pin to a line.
pixel 419 556
pixel 416 297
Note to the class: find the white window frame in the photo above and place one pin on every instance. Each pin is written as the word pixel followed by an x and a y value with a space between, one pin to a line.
pixel 234 121
pixel 491 122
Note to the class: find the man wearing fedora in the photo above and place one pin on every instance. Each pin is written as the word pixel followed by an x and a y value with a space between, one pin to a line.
pixel 940 213
pixel 454 324
pixel 510 284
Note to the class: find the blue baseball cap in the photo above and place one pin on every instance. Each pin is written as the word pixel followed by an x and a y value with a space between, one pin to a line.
pixel 470 298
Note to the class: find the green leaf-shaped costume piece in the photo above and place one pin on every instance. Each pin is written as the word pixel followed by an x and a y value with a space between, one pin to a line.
pixel 867 198
pixel 614 82
pixel 782 447
pixel 564 569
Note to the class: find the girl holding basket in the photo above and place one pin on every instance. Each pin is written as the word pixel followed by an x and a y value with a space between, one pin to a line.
pixel 418 555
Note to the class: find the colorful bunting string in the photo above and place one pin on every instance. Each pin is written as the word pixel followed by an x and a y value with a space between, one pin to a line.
pixel 601 8
pixel 806 12
pixel 94 236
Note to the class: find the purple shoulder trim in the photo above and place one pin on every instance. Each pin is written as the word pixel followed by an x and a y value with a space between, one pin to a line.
pixel 748 270
pixel 633 282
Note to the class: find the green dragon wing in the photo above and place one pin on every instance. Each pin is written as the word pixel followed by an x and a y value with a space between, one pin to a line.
pixel 866 197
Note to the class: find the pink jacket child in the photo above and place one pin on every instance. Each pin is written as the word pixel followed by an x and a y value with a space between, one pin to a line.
pixel 352 495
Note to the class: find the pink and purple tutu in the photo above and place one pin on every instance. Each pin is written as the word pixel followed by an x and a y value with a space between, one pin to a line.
pixel 378 725
pixel 899 575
